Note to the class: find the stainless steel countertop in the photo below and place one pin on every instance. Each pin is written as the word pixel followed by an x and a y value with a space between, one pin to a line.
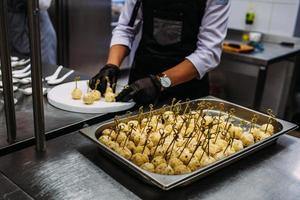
pixel 73 168
pixel 273 50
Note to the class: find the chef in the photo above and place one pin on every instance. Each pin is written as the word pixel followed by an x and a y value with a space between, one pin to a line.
pixel 181 41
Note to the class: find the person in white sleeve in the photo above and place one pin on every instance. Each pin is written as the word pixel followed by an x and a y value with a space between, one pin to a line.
pixel 181 41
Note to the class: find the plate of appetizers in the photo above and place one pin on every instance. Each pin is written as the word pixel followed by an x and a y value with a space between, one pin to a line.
pixel 76 96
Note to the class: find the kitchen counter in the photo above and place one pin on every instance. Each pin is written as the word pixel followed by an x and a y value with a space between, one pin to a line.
pixel 74 168
pixel 273 53
pixel 269 75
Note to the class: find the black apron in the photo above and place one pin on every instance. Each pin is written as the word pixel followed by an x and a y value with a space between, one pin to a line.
pixel 170 33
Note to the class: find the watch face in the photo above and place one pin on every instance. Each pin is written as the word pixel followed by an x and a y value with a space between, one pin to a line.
pixel 165 82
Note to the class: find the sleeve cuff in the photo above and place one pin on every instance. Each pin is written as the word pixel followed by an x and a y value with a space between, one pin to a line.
pixel 198 64
pixel 120 41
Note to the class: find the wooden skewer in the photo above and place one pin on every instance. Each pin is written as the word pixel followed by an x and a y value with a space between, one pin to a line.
pixel 253 121
pixel 176 135
pixel 128 135
pixel 162 133
pixel 172 104
pixel 196 148
pixel 140 114
pixel 97 83
pixel 77 78
pixel 147 138
pixel 88 87
pixel 270 119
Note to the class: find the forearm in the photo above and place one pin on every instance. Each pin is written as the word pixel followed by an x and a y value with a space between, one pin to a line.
pixel 117 53
pixel 181 73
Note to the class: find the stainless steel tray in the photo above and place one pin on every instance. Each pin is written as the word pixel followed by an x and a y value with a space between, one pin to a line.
pixel 167 182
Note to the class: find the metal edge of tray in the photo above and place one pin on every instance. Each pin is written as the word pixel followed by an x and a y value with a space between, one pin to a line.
pixel 167 182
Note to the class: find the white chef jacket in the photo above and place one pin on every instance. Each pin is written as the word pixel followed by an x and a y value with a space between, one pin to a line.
pixel 212 32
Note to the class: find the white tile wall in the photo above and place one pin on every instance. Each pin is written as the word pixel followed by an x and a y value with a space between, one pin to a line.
pixel 272 16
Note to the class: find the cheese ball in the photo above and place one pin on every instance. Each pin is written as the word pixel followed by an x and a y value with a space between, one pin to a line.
pixel 121 137
pixel 206 161
pixel 158 160
pixel 173 162
pixel 213 149
pixel 194 164
pixel 109 89
pixel 139 159
pixel 185 157
pixel 236 132
pixel 76 94
pixel 110 97
pixel 208 119
pixel 107 131
pixel 125 152
pixel 148 167
pixel 237 145
pixel 139 149
pixel 247 139
pixel 219 156
pixel 88 98
pixel 96 95
pixel 165 169
pixel 113 145
pixel 181 169
pixel 133 124
pixel 154 137
pixel 130 145
pixel 104 139
pixel 160 151
pixel 229 151
pixel 269 128
pixel 123 127
pixel 221 143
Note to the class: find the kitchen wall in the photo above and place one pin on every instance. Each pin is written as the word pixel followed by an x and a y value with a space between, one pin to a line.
pixel 272 16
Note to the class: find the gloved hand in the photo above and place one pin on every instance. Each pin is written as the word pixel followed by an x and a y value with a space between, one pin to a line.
pixel 143 91
pixel 108 71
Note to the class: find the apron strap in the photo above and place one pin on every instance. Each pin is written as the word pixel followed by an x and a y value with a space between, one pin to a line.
pixel 134 13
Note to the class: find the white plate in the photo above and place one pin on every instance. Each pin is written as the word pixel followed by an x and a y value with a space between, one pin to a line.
pixel 60 97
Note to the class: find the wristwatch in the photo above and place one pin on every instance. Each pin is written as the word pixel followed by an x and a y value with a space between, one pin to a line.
pixel 165 81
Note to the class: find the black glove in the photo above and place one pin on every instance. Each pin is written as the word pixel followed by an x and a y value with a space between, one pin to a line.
pixel 143 91
pixel 108 71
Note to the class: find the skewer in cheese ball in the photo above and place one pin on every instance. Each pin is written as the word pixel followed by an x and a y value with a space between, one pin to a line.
pixel 268 128
pixel 104 139
pixel 194 164
pixel 110 97
pixel 258 134
pixel 173 162
pixel 237 145
pixel 182 169
pixel 88 98
pixel 158 160
pixel 95 93
pixel 139 159
pixel 109 94
pixel 139 149
pixel 165 169
pixel 219 156
pixel 148 167
pixel 125 152
pixel 76 93
pixel 247 139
